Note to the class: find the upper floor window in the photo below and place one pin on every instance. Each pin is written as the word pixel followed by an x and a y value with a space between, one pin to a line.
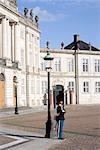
pixel 70 64
pixel 42 64
pixel 71 86
pixel 22 34
pixel 85 87
pixel 32 86
pixel 97 65
pixel 85 65
pixel 38 86
pixel 97 87
pixel 57 62
pixel 22 86
pixel 22 57
pixel 31 37
pixel 30 58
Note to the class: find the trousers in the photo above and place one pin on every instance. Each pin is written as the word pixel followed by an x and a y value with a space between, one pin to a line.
pixel 60 128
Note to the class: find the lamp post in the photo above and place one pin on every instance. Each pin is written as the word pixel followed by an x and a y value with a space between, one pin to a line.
pixel 54 98
pixel 48 59
pixel 16 107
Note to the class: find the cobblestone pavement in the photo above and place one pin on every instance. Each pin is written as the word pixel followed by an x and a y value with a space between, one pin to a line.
pixel 78 142
pixel 81 130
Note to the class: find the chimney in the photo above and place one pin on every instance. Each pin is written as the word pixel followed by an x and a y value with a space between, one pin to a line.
pixel 76 38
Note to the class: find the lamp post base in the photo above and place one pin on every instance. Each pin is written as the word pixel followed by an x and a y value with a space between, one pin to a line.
pixel 16 110
pixel 48 128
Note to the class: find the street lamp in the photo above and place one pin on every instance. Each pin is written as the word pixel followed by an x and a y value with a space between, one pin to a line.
pixel 16 107
pixel 54 98
pixel 48 59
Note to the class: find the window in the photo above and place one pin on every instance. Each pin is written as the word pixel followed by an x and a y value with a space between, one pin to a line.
pixel 42 64
pixel 44 87
pixel 85 65
pixel 97 65
pixel 71 86
pixel 36 61
pixel 85 87
pixel 22 57
pixel 31 37
pixel 57 64
pixel 31 58
pixel 32 86
pixel 22 34
pixel 22 86
pixel 97 87
pixel 70 65
pixel 38 86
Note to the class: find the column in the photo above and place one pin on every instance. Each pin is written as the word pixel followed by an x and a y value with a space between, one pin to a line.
pixel 12 41
pixel 8 52
pixel 4 41
pixel 16 47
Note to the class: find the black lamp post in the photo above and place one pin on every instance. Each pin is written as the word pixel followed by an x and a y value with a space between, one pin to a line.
pixel 16 106
pixel 48 60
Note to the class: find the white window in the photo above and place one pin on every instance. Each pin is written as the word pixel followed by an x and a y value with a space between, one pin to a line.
pixel 70 64
pixel 31 58
pixel 85 87
pixel 22 57
pixel 42 64
pixel 85 65
pixel 22 86
pixel 30 46
pixel 97 87
pixel 32 86
pixel 71 86
pixel 97 65
pixel 31 37
pixel 36 60
pixel 44 87
pixel 57 64
pixel 38 86
pixel 22 34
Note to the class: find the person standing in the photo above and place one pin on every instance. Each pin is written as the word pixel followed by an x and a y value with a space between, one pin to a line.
pixel 60 113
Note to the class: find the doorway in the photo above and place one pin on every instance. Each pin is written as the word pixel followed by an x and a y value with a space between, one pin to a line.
pixel 58 94
pixel 2 90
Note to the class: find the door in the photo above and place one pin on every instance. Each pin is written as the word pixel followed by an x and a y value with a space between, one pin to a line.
pixel 58 94
pixel 2 91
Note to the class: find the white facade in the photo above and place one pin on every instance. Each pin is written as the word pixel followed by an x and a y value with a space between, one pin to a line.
pixel 88 81
pixel 19 56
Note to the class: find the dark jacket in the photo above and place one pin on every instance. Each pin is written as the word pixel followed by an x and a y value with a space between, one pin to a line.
pixel 60 113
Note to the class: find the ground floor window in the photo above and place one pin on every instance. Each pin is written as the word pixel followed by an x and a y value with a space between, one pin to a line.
pixel 44 87
pixel 71 86
pixel 85 87
pixel 97 87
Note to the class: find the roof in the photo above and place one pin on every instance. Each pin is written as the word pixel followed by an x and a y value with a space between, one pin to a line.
pixel 81 45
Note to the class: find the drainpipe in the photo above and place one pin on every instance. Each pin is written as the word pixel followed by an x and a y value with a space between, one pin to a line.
pixel 76 39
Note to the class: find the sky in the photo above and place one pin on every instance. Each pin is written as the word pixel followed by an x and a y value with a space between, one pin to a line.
pixel 59 20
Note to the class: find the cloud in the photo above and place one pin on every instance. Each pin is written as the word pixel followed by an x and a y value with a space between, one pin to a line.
pixel 44 15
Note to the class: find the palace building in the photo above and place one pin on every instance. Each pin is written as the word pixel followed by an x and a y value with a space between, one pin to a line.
pixel 19 56
pixel 75 74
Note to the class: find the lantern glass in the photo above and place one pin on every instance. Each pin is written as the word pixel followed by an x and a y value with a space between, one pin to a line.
pixel 48 61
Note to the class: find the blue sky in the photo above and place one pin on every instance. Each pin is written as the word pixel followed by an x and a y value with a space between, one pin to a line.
pixel 61 19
